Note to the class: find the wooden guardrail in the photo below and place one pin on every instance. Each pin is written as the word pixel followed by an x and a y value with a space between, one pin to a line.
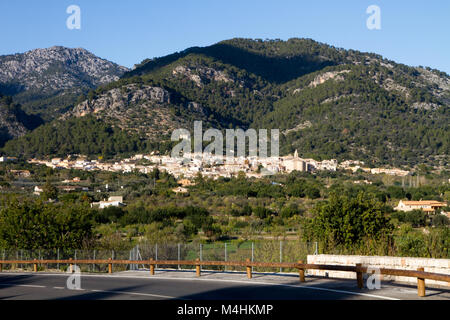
pixel 420 274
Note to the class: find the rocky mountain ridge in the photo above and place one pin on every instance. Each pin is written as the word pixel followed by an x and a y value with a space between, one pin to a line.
pixel 46 80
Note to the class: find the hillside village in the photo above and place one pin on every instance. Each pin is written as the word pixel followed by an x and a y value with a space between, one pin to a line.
pixel 212 167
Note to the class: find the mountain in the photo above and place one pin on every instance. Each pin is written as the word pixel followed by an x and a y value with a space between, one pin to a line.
pixel 48 81
pixel 328 102
pixel 149 111
pixel 14 122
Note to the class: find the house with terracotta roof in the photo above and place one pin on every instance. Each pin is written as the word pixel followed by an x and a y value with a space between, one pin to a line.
pixel 425 205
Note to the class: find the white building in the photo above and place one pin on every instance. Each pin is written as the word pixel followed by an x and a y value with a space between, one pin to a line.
pixel 38 190
pixel 425 205
pixel 114 201
pixel 295 163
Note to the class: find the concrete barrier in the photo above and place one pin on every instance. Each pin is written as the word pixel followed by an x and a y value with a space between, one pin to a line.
pixel 403 263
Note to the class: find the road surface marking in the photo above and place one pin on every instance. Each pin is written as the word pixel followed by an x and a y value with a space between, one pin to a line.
pixel 21 285
pixel 229 281
pixel 283 285
pixel 136 294
pixel 93 290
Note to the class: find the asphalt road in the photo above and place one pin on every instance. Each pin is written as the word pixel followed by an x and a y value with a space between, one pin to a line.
pixel 214 286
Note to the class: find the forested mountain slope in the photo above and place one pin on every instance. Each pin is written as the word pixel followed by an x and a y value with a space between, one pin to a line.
pixel 328 102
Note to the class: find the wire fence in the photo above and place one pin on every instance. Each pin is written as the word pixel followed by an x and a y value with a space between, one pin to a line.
pixel 258 251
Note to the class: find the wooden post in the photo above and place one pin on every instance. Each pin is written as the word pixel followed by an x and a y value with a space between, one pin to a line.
pixel 70 265
pixel 249 270
pixel 421 284
pixel 109 266
pixel 301 272
pixel 359 276
pixel 197 268
pixel 152 267
pixel 35 265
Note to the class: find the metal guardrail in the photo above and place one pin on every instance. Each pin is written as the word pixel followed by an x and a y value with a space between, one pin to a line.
pixel 420 274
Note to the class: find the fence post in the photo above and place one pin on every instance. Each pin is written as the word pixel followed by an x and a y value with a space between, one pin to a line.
pixel 112 258
pixel 156 253
pixel 152 267
pixel 197 268
pixel 421 284
pixel 281 254
pixel 109 266
pixel 253 253
pixel 3 258
pixel 131 256
pixel 35 266
pixel 70 265
pixel 225 267
pixel 57 258
pixel 249 270
pixel 179 255
pixel 359 276
pixel 301 272
pixel 201 255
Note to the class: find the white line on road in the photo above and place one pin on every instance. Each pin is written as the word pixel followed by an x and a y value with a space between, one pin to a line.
pixel 283 285
pixel 21 285
pixel 94 290
pixel 137 294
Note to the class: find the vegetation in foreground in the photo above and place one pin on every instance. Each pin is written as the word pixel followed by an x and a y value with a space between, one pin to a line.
pixel 330 208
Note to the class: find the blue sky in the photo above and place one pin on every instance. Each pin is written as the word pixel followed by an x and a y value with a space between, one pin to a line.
pixel 412 32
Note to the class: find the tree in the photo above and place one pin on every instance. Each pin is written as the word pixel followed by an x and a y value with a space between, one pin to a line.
pixel 39 225
pixel 440 220
pixel 349 221
pixel 49 191
pixel 262 212
pixel 417 218
pixel 312 192
pixel 289 211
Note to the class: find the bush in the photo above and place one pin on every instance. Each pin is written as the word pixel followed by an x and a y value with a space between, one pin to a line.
pixel 440 220
pixel 39 225
pixel 289 211
pixel 417 218
pixel 410 243
pixel 261 212
pixel 109 214
pixel 245 211
pixel 312 192
pixel 348 221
